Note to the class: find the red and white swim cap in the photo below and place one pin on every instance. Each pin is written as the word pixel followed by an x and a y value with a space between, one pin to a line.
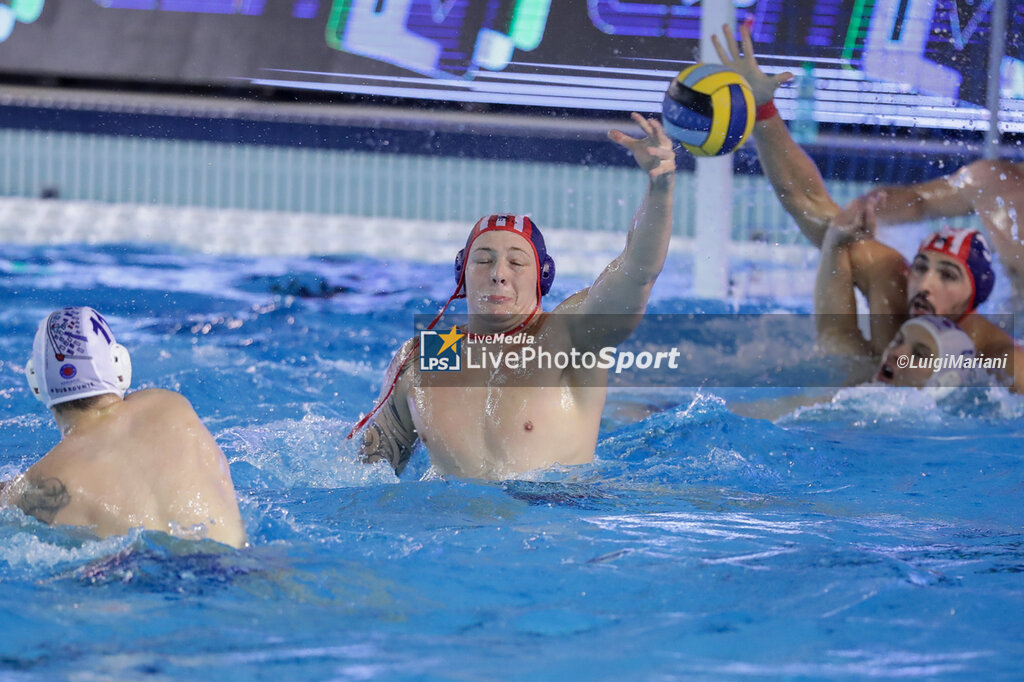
pixel 968 247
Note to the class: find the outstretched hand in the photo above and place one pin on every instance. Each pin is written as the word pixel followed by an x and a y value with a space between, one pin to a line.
pixel 761 84
pixel 653 153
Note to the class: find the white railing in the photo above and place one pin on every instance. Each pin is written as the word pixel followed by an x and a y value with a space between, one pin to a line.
pixel 244 198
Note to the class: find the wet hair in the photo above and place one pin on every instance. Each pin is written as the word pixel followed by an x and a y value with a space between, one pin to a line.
pixel 79 405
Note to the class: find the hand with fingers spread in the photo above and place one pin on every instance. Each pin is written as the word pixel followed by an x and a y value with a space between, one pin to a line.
pixel 761 84
pixel 653 153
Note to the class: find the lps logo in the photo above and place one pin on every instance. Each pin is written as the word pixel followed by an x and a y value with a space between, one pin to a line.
pixel 13 11
pixel 440 352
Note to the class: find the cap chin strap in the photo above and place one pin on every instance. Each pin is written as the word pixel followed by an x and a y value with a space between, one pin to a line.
pixel 391 389
pixel 460 286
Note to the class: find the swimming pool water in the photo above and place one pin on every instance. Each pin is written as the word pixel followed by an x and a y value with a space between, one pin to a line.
pixel 877 535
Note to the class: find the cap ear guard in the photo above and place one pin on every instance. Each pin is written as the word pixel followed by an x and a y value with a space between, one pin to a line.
pixel 946 379
pixel 460 263
pixel 123 364
pixel 979 262
pixel 547 274
pixel 33 381
pixel 943 384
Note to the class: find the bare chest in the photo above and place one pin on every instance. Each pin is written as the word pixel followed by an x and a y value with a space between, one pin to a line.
pixel 492 432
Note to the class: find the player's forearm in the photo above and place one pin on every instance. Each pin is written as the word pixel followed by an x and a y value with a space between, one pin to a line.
pixel 835 305
pixel 624 286
pixel 648 237
pixel 795 178
pixel 896 205
pixel 833 284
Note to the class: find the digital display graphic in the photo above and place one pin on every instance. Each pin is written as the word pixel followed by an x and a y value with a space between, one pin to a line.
pixel 913 63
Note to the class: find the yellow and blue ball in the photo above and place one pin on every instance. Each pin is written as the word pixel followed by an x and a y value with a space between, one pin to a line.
pixel 709 109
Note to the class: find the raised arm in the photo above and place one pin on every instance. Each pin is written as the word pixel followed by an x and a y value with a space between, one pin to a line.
pixel 624 286
pixel 946 197
pixel 853 258
pixel 956 194
pixel 391 434
pixel 835 306
pixel 794 177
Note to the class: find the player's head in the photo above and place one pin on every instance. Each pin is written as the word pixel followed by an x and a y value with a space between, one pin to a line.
pixel 529 241
pixel 951 274
pixel 505 275
pixel 75 356
pixel 920 344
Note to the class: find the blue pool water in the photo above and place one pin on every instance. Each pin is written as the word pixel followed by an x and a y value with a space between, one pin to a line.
pixel 877 535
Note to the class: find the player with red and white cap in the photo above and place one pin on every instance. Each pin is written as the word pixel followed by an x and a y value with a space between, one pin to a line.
pixel 493 424
pixel 951 273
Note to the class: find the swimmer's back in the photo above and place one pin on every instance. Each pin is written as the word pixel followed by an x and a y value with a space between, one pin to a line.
pixel 145 461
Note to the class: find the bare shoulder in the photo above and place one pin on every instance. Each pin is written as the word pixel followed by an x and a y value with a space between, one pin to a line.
pixel 407 347
pixel 160 406
pixel 402 360
pixel 573 303
pixel 159 398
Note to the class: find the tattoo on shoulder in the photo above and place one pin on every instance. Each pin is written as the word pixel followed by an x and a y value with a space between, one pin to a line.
pixel 388 437
pixel 378 445
pixel 44 499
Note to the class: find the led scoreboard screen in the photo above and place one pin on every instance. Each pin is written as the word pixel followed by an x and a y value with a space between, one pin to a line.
pixel 895 62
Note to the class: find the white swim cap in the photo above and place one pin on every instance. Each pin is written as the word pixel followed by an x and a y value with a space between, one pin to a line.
pixel 75 356
pixel 950 341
